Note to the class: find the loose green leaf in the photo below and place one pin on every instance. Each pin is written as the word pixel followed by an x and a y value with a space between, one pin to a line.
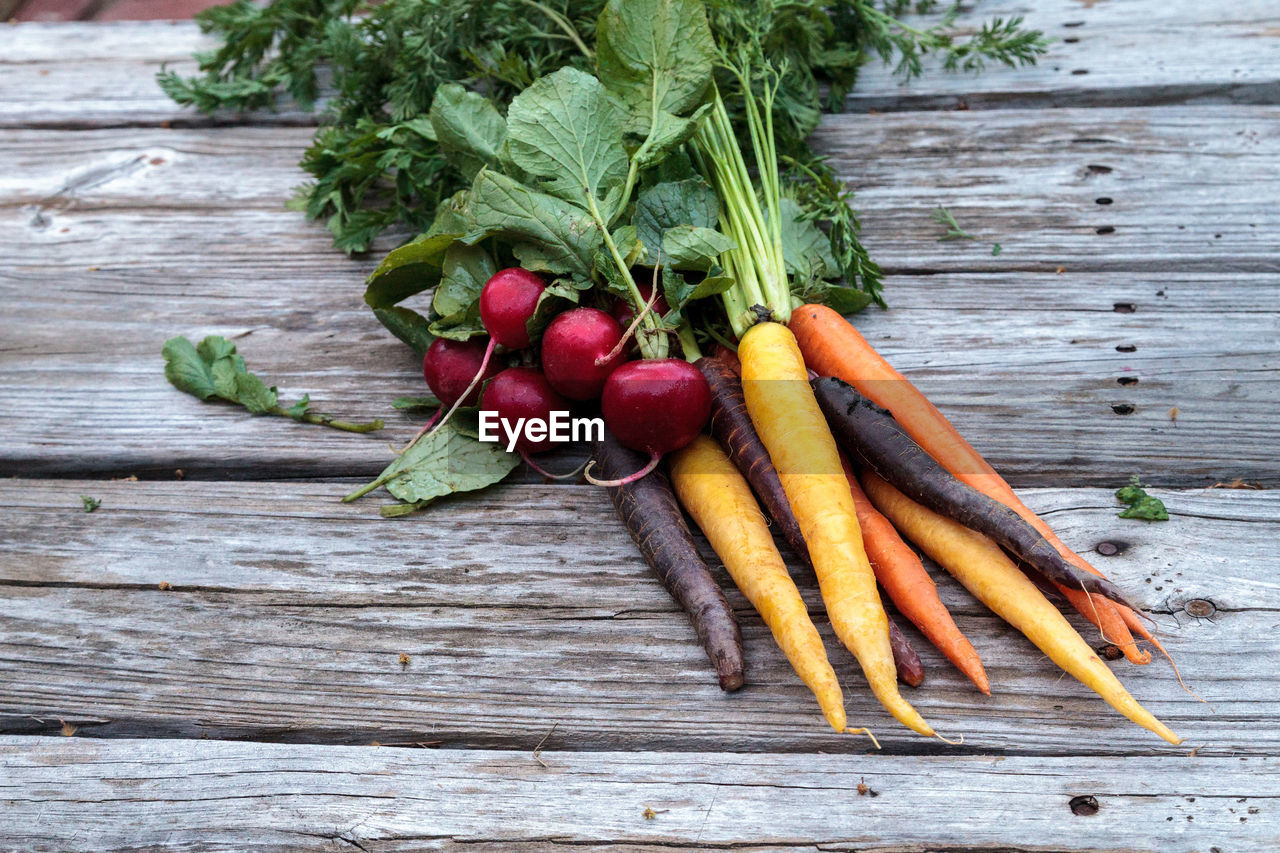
pixel 943 217
pixel 1141 505
pixel 996 249
pixel 689 247
pixel 213 369
pixel 187 370
pixel 410 269
pixel 468 127
pixel 546 233
pixel 90 504
pixel 445 461
pixel 566 129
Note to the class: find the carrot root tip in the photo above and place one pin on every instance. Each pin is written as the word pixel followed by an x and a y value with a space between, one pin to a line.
pixel 850 730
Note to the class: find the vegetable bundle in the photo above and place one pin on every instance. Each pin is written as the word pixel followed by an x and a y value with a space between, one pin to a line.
pixel 599 206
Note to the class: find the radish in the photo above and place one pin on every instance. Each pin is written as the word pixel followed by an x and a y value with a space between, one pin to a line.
pixel 523 393
pixel 579 351
pixel 507 301
pixel 449 367
pixel 654 406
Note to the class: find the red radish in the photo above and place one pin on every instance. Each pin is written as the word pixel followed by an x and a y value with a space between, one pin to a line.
pixel 507 301
pixel 625 313
pixel 522 392
pixel 655 406
pixel 579 351
pixel 450 366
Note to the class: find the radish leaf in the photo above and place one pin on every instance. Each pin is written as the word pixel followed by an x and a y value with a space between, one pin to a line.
pixel 445 461
pixel 468 127
pixel 567 129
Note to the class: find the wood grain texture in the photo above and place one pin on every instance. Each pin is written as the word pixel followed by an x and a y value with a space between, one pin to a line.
pixel 527 606
pixel 160 795
pixel 103 75
pixel 1135 53
pixel 129 237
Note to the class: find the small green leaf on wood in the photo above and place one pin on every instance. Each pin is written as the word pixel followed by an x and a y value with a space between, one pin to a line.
pixel 214 370
pixel 1142 506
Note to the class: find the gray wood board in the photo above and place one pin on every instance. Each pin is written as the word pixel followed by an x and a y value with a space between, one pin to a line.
pixel 119 239
pixel 154 795
pixel 287 612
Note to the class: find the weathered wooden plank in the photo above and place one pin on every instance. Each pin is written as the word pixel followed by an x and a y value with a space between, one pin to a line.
pixel 103 75
pixel 184 233
pixel 1179 188
pixel 524 606
pixel 1136 53
pixel 183 795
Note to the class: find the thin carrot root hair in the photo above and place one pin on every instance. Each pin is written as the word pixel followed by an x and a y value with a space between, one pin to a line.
pixel 1131 618
pixel 862 730
pixel 1129 647
pixel 959 741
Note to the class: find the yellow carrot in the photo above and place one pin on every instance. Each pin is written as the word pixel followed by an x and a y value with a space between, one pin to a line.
pixel 721 503
pixel 789 422
pixel 984 569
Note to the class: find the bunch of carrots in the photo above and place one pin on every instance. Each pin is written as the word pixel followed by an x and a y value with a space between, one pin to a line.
pixel 776 442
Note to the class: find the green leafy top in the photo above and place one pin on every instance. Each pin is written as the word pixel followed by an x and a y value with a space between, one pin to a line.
pixel 376 162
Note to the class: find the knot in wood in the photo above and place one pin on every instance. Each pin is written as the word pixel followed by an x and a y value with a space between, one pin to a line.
pixel 1200 608
pixel 1085 805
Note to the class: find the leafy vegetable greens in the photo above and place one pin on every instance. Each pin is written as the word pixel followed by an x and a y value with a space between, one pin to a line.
pixel 382 159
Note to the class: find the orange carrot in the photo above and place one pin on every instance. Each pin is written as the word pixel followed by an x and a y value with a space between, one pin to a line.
pixel 832 347
pixel 903 576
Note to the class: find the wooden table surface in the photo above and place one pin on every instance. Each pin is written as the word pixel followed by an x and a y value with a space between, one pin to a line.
pixel 212 659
